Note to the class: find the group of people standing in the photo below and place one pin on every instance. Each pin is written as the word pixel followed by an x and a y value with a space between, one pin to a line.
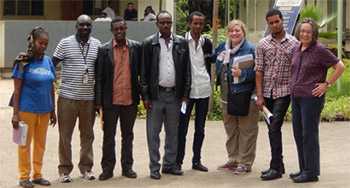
pixel 171 75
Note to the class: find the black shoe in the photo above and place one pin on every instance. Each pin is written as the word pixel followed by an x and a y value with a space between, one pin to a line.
pixel 129 173
pixel 155 175
pixel 282 170
pixel 105 176
pixel 26 184
pixel 199 167
pixel 41 181
pixel 303 178
pixel 271 175
pixel 178 167
pixel 265 171
pixel 173 171
pixel 294 175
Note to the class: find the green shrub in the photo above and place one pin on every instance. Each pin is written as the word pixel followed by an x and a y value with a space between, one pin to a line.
pixel 141 111
pixel 328 35
pixel 216 113
pixel 336 109
pixel 181 17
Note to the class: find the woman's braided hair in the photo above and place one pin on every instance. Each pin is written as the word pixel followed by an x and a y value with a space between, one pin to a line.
pixel 32 36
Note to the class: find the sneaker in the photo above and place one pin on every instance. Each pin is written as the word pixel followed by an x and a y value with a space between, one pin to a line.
pixel 241 169
pixel 228 166
pixel 26 184
pixel 65 178
pixel 88 175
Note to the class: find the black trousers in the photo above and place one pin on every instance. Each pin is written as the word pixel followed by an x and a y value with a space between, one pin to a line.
pixel 306 119
pixel 278 107
pixel 127 116
pixel 201 107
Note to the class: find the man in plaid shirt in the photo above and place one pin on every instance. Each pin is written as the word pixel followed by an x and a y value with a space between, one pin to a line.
pixel 273 72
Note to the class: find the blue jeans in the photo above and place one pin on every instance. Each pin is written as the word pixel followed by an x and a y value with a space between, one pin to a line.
pixel 306 113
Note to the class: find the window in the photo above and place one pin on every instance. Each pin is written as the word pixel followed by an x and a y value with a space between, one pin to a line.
pixel 94 7
pixel 23 7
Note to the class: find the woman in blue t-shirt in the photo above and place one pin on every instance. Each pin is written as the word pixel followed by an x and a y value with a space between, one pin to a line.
pixel 33 104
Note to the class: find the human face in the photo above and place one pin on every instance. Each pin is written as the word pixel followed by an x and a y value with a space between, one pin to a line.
pixel 275 24
pixel 235 34
pixel 119 30
pixel 164 24
pixel 83 26
pixel 305 35
pixel 197 24
pixel 40 45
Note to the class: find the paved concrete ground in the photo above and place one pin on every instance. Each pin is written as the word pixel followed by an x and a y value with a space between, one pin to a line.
pixel 335 154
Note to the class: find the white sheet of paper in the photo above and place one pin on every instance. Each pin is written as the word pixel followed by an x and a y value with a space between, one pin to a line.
pixel 183 107
pixel 20 135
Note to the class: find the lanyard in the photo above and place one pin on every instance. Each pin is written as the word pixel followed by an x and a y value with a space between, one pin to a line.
pixel 84 55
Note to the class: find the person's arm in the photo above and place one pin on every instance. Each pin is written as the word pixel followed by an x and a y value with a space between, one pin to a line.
pixel 138 68
pixel 15 102
pixel 217 58
pixel 187 85
pixel 321 88
pixel 259 77
pixel 245 75
pixel 259 91
pixel 99 78
pixel 56 61
pixel 145 71
pixel 59 53
pixel 53 118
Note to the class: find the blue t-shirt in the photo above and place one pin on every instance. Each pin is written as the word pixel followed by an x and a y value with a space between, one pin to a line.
pixel 36 93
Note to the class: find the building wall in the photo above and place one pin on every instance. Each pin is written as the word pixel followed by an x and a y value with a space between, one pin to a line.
pixel 13 35
pixel 2 44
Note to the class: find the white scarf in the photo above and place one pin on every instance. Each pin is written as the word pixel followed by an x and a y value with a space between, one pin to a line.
pixel 229 51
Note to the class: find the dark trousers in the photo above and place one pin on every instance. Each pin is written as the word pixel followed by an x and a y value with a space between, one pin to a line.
pixel 201 114
pixel 127 116
pixel 306 118
pixel 165 110
pixel 278 107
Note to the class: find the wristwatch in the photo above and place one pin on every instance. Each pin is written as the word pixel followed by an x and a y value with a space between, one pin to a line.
pixel 328 84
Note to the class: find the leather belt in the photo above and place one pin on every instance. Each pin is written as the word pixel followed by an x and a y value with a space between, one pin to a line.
pixel 166 89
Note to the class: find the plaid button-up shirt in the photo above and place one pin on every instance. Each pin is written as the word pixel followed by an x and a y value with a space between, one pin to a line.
pixel 273 58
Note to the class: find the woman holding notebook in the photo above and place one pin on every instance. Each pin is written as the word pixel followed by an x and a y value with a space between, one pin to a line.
pixel 33 105
pixel 236 75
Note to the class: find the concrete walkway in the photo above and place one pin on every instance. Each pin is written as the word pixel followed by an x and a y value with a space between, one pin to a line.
pixel 335 154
